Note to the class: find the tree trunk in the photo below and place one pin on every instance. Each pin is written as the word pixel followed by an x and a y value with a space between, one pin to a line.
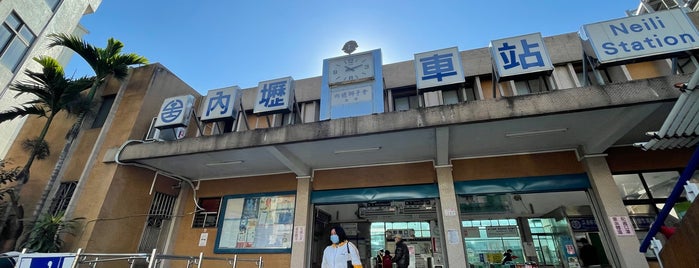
pixel 54 173
pixel 62 158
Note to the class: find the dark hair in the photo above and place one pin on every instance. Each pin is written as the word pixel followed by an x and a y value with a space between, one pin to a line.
pixel 340 232
pixel 583 240
pixel 509 250
pixel 387 252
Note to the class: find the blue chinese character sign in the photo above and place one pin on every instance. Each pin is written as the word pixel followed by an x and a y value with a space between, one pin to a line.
pixel 275 96
pixel 654 34
pixel 175 112
pixel 438 68
pixel 520 55
pixel 220 104
pixel 352 85
pixel 46 260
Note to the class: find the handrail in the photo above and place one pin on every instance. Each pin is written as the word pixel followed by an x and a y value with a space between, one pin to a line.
pixel 153 259
pixel 671 200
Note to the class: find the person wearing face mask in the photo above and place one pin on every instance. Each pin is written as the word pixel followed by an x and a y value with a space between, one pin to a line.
pixel 342 253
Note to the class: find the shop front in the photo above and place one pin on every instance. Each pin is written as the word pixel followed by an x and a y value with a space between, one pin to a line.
pixel 529 216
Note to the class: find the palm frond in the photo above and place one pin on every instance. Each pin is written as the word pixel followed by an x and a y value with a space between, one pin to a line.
pixel 23 111
pixel 88 52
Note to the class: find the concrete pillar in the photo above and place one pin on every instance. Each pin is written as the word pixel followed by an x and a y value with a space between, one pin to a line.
pixel 301 242
pixel 451 224
pixel 622 251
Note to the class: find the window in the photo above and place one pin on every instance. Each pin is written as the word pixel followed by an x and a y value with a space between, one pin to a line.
pixel 645 193
pixel 107 102
pixel 383 231
pixel 685 65
pixel 209 216
pixel 578 67
pixel 405 99
pixel 15 40
pixel 53 4
pixel 62 198
pixel 536 85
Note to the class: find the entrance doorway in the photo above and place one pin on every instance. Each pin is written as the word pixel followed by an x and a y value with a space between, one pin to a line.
pixel 371 226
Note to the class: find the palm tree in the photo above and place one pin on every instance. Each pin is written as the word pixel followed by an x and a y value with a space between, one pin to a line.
pixel 52 93
pixel 105 62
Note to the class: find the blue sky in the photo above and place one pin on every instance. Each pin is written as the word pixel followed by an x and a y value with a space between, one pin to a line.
pixel 212 44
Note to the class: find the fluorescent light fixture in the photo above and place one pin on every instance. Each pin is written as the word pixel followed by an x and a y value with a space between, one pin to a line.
pixel 535 132
pixel 357 150
pixel 235 162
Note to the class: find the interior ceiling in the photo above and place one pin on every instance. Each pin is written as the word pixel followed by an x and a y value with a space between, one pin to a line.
pixel 596 130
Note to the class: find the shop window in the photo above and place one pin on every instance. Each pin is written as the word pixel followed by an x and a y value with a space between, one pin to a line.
pixel 62 198
pixel 15 40
pixel 209 216
pixel 105 107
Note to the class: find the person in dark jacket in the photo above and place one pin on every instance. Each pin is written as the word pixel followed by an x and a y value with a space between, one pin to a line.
pixel 588 253
pixel 402 257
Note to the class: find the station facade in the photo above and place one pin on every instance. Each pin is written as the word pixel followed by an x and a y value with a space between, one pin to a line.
pixel 526 145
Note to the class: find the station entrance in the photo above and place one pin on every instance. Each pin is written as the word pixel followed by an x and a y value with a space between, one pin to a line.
pixel 541 228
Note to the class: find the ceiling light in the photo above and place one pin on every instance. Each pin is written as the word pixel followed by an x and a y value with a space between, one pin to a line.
pixel 225 163
pixel 357 150
pixel 535 132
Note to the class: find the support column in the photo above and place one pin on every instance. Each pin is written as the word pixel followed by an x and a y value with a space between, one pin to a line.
pixel 622 251
pixel 302 214
pixel 451 224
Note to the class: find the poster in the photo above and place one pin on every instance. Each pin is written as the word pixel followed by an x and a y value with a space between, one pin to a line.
pixel 256 223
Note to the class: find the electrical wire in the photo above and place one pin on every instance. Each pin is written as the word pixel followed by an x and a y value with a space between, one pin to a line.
pixel 168 174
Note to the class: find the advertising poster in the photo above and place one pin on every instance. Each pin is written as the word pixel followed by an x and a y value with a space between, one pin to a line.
pixel 253 223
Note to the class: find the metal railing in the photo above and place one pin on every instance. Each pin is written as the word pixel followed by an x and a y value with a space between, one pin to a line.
pixel 154 259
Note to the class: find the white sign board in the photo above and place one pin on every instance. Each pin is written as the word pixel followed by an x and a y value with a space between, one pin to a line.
pixel 275 96
pixel 299 233
pixel 622 226
pixel 501 231
pixel 220 104
pixel 351 94
pixel 520 55
pixel 46 260
pixel 438 68
pixel 641 36
pixel 175 112
pixel 351 229
pixel 203 238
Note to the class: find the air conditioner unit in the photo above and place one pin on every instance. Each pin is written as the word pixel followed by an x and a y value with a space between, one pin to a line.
pixel 171 134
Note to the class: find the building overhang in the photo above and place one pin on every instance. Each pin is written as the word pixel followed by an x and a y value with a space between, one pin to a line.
pixel 593 118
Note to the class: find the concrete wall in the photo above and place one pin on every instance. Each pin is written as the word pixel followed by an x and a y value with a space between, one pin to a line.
pixel 186 238
pixel 514 166
pixel 110 196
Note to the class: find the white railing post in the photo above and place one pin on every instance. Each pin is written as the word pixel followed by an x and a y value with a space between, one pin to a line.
pixel 152 261
pixel 692 191
pixel 657 246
